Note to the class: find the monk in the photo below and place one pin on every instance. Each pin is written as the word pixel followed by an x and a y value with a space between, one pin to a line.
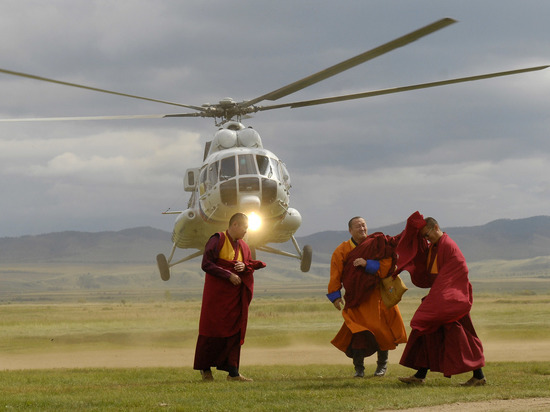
pixel 443 338
pixel 228 290
pixel 357 266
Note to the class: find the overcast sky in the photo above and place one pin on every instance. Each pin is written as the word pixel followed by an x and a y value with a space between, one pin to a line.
pixel 466 154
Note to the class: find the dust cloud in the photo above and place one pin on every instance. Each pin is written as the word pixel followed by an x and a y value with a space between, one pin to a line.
pixel 291 355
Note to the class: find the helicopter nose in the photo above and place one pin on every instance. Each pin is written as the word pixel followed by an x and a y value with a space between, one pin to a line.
pixel 250 202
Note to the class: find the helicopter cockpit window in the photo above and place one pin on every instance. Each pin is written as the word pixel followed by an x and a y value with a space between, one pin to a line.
pixel 213 174
pixel 263 165
pixel 246 164
pixel 227 168
pixel 268 167
pixel 202 181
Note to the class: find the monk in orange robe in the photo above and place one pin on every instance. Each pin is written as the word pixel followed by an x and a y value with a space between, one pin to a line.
pixel 357 266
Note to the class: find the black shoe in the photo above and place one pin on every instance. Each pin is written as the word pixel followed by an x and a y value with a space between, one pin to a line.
pixel 382 363
pixel 381 370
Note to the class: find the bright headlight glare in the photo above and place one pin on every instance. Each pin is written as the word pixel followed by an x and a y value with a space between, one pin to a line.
pixel 254 221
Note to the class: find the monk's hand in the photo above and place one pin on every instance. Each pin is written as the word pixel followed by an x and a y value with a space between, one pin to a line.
pixel 360 262
pixel 239 266
pixel 234 279
pixel 338 303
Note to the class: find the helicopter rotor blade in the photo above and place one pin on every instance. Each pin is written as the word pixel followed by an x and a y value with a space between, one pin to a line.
pixel 397 89
pixel 116 117
pixel 352 62
pixel 95 89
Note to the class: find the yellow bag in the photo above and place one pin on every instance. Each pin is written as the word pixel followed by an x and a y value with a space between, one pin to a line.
pixel 392 290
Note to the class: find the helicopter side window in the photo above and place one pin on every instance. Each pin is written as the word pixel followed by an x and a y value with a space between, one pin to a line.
pixel 213 174
pixel 275 168
pixel 284 174
pixel 246 164
pixel 227 168
pixel 264 166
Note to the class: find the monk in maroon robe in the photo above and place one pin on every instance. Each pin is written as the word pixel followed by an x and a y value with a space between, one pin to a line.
pixel 228 290
pixel 443 338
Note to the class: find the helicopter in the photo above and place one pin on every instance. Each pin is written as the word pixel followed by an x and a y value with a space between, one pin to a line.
pixel 238 174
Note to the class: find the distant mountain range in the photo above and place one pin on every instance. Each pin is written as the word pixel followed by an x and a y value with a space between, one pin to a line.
pixel 34 267
pixel 502 239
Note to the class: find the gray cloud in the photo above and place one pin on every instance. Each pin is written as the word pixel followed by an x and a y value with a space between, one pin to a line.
pixel 465 153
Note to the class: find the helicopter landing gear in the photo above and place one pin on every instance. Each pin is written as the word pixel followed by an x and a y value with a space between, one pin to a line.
pixel 305 262
pixel 164 269
pixel 165 264
pixel 304 256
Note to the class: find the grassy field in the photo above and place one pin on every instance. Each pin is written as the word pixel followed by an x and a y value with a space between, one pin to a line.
pixel 276 388
pixel 134 351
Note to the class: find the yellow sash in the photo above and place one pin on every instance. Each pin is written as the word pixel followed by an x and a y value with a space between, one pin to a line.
pixel 227 252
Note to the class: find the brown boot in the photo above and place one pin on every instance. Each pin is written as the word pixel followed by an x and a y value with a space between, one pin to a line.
pixel 412 380
pixel 207 376
pixel 239 378
pixel 474 382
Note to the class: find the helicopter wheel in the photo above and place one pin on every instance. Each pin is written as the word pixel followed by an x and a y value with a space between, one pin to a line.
pixel 305 263
pixel 164 269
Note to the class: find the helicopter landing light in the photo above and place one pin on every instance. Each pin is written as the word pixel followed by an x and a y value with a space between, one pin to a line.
pixel 254 222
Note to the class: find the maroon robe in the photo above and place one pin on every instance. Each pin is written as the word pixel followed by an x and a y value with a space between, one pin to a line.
pixel 443 338
pixel 224 311
pixel 358 284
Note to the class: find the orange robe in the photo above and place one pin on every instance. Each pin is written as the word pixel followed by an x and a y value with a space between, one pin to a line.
pixel 371 315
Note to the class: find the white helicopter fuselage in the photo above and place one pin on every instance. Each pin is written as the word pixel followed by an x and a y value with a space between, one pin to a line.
pixel 237 175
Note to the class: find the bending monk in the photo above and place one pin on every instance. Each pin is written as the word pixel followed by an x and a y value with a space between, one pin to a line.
pixel 443 338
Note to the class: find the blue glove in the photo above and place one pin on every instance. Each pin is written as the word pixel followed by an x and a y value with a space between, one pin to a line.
pixel 334 295
pixel 372 266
